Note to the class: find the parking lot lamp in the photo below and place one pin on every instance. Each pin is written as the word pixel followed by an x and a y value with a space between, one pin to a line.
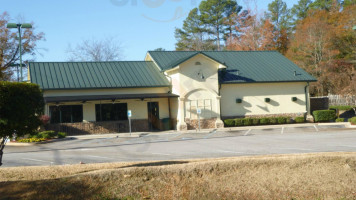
pixel 19 27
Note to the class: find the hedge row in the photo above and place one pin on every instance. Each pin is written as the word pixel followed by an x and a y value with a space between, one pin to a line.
pixel 261 121
pixel 342 107
pixel 324 115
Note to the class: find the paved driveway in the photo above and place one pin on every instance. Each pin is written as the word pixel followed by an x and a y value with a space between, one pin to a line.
pixel 175 145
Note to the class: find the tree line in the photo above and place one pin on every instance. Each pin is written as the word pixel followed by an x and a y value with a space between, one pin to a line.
pixel 316 35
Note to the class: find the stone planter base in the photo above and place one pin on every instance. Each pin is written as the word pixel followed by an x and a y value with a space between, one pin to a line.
pixel 192 124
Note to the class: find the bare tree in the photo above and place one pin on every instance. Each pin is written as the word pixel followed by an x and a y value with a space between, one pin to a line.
pixel 107 49
pixel 9 45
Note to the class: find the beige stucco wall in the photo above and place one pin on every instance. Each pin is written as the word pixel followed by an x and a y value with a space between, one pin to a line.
pixel 188 84
pixel 254 95
pixel 137 107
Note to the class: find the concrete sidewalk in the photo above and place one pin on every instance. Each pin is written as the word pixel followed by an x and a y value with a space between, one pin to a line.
pixel 143 134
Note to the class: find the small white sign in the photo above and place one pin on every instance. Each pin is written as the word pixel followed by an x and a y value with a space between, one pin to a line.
pixel 198 111
pixel 129 113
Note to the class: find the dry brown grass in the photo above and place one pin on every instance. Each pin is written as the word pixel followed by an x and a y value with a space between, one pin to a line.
pixel 306 176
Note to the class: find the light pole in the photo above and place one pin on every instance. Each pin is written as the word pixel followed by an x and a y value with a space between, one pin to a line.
pixel 19 26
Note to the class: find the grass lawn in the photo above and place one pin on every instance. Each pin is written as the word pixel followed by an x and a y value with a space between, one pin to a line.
pixel 298 176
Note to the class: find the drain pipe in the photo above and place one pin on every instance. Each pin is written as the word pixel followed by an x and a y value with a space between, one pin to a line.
pixel 306 97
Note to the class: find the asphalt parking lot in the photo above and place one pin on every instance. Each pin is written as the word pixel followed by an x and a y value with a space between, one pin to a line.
pixel 185 145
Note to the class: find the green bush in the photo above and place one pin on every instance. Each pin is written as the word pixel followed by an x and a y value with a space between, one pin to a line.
pixel 282 120
pixel 273 120
pixel 238 122
pixel 341 107
pixel 247 121
pixel 256 121
pixel 340 120
pixel 229 122
pixel 62 134
pixel 21 104
pixel 264 121
pixel 349 120
pixel 324 115
pixel 47 134
pixel 299 119
pixel 353 120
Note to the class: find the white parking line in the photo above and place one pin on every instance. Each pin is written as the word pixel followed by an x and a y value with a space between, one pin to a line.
pixel 247 132
pixel 316 128
pixel 282 131
pixel 212 133
pixel 164 154
pixel 99 157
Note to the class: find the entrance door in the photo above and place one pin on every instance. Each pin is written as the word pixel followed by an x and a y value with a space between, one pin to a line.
pixel 153 115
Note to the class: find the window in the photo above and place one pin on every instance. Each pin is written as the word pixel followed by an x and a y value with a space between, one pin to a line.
pixel 111 112
pixel 66 114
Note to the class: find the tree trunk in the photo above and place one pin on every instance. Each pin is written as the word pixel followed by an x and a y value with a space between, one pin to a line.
pixel 2 145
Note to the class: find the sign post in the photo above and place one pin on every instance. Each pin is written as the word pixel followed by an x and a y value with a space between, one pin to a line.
pixel 199 112
pixel 129 115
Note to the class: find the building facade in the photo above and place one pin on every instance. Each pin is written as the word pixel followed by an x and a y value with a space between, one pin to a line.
pixel 168 89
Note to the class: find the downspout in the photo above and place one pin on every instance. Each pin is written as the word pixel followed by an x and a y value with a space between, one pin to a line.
pixel 169 100
pixel 306 97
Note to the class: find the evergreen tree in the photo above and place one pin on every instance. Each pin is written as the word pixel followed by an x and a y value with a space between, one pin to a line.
pixel 300 11
pixel 192 36
pixel 214 14
pixel 279 14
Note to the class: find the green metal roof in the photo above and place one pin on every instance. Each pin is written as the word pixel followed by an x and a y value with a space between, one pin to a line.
pixel 242 66
pixel 92 75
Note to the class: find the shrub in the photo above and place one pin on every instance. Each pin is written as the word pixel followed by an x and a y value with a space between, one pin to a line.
pixel 340 120
pixel 324 115
pixel 47 134
pixel 264 121
pixel 282 120
pixel 353 120
pixel 228 122
pixel 62 134
pixel 341 107
pixel 273 120
pixel 29 140
pixel 256 121
pixel 299 119
pixel 20 106
pixel 247 121
pixel 238 122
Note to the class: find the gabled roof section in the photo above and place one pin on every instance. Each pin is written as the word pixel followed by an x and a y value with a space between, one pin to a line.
pixel 96 75
pixel 242 66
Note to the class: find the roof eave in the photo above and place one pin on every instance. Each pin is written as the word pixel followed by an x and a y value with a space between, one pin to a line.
pixel 100 88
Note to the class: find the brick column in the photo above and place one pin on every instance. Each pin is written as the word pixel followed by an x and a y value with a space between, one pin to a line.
pixel 218 123
pixel 181 125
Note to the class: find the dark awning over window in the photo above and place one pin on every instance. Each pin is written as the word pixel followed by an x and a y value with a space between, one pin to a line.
pixel 107 97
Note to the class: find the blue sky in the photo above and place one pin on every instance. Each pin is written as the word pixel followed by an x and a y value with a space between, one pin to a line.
pixel 139 25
